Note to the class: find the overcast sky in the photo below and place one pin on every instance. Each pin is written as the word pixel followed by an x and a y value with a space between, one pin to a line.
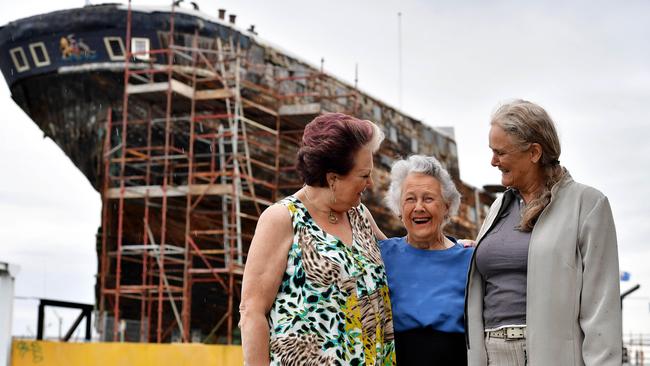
pixel 587 63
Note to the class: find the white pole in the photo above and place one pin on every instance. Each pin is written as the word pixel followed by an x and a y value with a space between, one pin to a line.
pixel 399 59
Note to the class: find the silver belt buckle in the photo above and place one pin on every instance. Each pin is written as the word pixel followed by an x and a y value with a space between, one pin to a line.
pixel 515 333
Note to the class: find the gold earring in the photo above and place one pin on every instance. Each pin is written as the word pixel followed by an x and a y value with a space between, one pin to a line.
pixel 331 217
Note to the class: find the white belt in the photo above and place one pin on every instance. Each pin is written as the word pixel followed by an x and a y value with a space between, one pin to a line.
pixel 508 333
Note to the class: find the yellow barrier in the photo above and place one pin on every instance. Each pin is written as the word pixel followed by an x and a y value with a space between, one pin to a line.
pixel 45 353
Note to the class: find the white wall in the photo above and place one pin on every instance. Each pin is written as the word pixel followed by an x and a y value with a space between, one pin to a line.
pixel 7 273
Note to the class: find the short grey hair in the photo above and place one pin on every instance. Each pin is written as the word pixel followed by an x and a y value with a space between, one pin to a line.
pixel 423 165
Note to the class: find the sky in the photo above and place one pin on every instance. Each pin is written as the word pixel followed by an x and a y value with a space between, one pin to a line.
pixel 586 62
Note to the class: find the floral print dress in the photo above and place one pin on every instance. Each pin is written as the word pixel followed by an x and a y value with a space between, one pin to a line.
pixel 332 307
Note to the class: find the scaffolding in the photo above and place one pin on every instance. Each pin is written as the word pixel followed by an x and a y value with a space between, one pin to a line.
pixel 188 165
pixel 192 157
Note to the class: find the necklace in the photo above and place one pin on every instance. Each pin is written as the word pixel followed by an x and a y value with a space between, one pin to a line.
pixel 330 215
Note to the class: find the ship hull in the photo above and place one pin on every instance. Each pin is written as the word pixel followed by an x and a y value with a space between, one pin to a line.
pixel 71 110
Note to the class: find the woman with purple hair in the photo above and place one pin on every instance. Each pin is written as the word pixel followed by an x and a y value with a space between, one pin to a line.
pixel 314 290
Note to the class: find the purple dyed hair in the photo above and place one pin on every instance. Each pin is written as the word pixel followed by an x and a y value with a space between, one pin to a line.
pixel 329 144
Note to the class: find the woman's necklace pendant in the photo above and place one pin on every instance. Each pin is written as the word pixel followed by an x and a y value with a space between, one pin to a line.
pixel 332 218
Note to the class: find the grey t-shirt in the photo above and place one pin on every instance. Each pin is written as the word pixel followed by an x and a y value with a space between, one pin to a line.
pixel 502 260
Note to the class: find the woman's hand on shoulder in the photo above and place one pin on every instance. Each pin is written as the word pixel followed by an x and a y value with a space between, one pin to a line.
pixel 467 243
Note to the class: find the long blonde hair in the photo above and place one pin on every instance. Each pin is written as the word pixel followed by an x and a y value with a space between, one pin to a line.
pixel 528 123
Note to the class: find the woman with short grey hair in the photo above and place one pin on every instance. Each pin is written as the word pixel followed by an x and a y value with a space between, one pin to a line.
pixel 426 165
pixel 426 270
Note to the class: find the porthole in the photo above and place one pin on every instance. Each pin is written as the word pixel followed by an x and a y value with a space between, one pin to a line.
pixel 141 46
pixel 114 48
pixel 39 54
pixel 20 60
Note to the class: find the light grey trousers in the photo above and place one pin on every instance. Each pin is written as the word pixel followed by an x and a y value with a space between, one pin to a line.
pixel 505 352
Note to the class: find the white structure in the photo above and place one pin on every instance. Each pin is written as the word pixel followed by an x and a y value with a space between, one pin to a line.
pixel 7 273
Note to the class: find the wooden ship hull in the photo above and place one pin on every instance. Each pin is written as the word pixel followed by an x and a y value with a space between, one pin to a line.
pixel 188 128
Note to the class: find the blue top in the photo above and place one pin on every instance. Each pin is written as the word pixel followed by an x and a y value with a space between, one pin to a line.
pixel 427 287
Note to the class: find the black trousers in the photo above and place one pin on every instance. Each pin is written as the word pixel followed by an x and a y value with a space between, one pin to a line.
pixel 428 347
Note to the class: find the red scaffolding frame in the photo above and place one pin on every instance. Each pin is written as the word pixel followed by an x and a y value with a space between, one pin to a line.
pixel 189 165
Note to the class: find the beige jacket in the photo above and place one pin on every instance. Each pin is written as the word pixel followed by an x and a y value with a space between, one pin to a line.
pixel 573 308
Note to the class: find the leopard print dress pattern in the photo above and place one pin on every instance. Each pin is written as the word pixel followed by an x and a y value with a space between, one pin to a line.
pixel 332 307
